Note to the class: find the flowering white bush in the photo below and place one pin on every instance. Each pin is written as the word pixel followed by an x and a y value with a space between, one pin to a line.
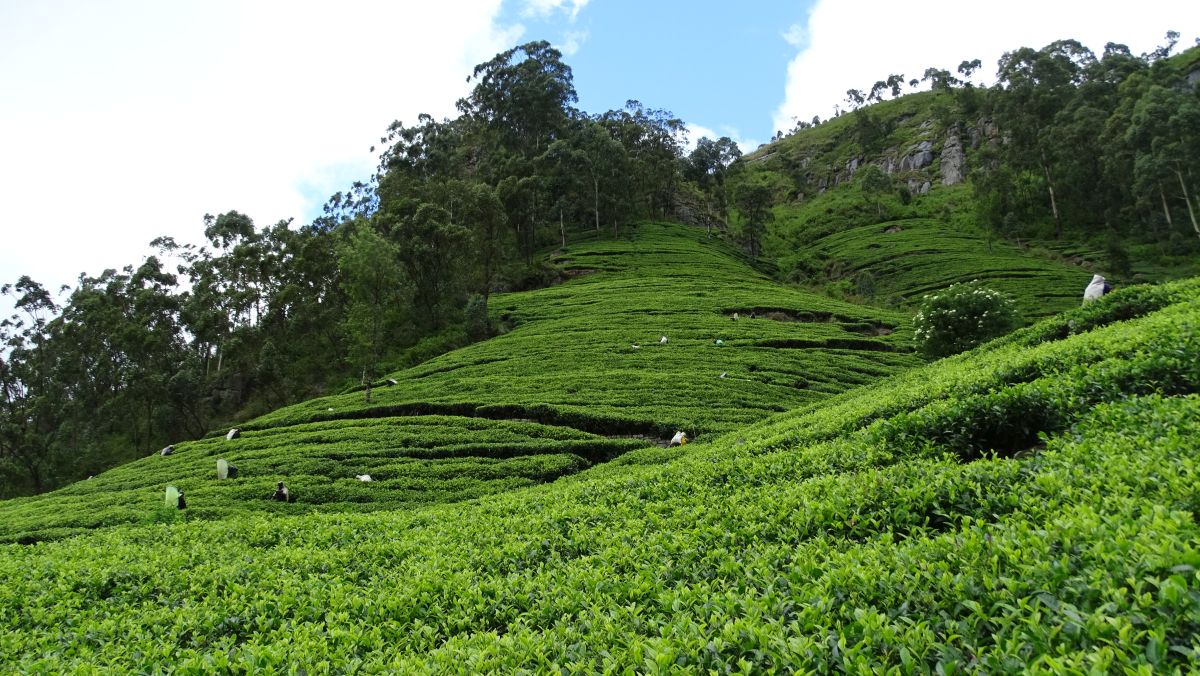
pixel 961 317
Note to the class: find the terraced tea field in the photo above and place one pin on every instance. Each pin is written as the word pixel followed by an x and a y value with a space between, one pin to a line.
pixel 909 258
pixel 562 390
pixel 1028 506
pixel 664 281
pixel 412 461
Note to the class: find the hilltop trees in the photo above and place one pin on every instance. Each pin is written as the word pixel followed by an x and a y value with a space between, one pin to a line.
pixel 1108 142
pixel 708 166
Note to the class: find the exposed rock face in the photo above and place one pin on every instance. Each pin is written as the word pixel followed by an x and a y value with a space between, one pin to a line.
pixel 1193 78
pixel 984 130
pixel 919 156
pixel 918 187
pixel 953 160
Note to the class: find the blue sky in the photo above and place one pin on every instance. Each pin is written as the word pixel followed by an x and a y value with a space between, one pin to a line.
pixel 720 65
pixel 124 120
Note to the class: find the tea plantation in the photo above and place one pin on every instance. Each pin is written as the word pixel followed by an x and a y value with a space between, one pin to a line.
pixel 562 390
pixel 908 258
pixel 580 337
pixel 1029 505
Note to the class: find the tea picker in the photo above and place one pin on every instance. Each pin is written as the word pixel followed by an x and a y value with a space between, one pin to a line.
pixel 174 498
pixel 1098 287
pixel 226 470
pixel 679 439
pixel 281 493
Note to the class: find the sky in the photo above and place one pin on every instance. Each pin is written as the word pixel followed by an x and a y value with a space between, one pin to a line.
pixel 124 120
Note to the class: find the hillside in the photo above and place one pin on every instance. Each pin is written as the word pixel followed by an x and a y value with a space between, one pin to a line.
pixel 844 505
pixel 561 390
pixel 902 260
pixel 1074 163
pixel 889 250
pixel 1029 505
pixel 996 187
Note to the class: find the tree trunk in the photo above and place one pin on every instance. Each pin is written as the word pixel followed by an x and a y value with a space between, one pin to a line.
pixel 1053 203
pixel 596 200
pixel 562 230
pixel 1188 201
pixel 1166 212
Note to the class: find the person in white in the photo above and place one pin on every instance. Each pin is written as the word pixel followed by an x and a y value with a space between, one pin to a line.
pixel 1098 287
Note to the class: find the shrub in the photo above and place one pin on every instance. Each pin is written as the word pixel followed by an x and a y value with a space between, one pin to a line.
pixel 962 317
pixel 475 316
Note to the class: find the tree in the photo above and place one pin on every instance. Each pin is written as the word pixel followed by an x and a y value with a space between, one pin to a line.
pixel 968 68
pixel 894 82
pixel 28 409
pixel 429 246
pixel 1032 87
pixel 599 160
pixel 523 96
pixel 875 183
pixel 753 200
pixel 652 139
pixel 1164 129
pixel 708 165
pixel 939 79
pixel 372 281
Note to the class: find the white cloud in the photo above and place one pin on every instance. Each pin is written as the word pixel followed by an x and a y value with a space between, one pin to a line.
pixel 796 35
pixel 130 120
pixel 544 8
pixel 852 44
pixel 695 132
pixel 572 41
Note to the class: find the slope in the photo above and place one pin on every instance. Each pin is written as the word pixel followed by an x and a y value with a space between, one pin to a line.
pixel 879 532
pixel 905 259
pixel 939 168
pixel 562 390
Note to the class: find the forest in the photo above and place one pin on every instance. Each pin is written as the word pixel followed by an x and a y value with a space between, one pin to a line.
pixel 401 266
